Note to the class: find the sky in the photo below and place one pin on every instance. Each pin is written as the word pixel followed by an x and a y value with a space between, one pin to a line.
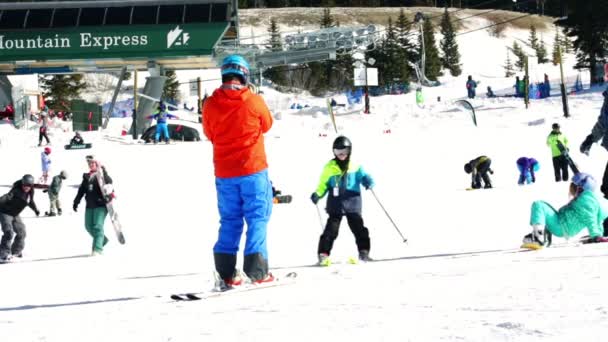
pixel 460 276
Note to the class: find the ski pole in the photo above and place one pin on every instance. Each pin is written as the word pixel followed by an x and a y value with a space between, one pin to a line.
pixel 320 218
pixel 387 215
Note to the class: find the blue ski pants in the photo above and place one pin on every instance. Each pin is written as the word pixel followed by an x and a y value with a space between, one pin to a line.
pixel 243 199
pixel 161 128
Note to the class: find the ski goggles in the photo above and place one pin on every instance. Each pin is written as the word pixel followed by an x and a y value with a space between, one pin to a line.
pixel 235 67
pixel 341 151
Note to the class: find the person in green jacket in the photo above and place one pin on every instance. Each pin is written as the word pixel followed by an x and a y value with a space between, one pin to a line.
pixel 560 162
pixel 54 188
pixel 341 180
pixel 585 210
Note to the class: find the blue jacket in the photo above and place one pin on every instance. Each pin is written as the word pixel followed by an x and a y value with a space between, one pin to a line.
pixel 347 196
pixel 161 117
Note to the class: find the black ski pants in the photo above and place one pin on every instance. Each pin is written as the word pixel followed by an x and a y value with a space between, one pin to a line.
pixel 560 167
pixel 482 173
pixel 42 134
pixel 12 227
pixel 330 233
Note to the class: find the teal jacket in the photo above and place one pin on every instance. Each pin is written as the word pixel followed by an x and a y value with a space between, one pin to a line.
pixel 587 210
pixel 346 198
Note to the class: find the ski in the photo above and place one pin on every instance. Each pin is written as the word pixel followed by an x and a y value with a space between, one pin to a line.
pixel 111 211
pixel 194 296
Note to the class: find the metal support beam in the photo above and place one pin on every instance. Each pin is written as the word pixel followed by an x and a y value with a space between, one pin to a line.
pixel 123 72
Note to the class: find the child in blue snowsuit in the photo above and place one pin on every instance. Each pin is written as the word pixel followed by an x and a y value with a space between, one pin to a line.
pixel 342 180
pixel 527 167
pixel 161 122
pixel 46 164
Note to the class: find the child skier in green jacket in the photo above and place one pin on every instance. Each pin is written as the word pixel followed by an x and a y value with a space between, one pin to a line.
pixel 585 210
pixel 560 162
pixel 341 180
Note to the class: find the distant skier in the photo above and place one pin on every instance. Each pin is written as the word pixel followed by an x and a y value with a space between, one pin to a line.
pixel 479 169
pixel 527 168
pixel 77 139
pixel 471 86
pixel 43 129
pixel 161 117
pixel 53 191
pixel 599 131
pixel 45 160
pixel 490 93
pixel 11 205
pixel 560 162
pixel 96 211
pixel 341 180
pixel 585 210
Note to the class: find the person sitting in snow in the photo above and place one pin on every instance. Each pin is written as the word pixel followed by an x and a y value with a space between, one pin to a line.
pixel 341 179
pixel 527 168
pixel 490 93
pixel 77 139
pixel 585 210
pixel 479 168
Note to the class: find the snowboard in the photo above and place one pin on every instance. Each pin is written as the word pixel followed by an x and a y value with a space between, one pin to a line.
pixel 532 246
pixel 110 206
pixel 565 153
pixel 289 278
pixel 282 199
pixel 78 147
pixel 41 186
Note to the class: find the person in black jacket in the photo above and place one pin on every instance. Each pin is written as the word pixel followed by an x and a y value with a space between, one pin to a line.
pixel 96 211
pixel 12 204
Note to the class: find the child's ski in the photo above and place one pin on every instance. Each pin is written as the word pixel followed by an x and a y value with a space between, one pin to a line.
pixel 289 278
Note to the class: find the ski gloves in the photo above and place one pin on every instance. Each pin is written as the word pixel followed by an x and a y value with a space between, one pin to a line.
pixel 586 145
pixel 37 212
pixel 314 198
pixel 75 206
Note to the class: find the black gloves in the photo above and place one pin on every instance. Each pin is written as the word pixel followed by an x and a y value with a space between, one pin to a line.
pixel 37 212
pixel 314 198
pixel 586 145
pixel 491 171
pixel 75 206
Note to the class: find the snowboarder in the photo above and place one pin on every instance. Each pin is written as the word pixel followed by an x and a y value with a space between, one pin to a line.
pixel 53 191
pixel 342 179
pixel 471 86
pixel 599 131
pixel 479 169
pixel 77 139
pixel 45 160
pixel 527 168
pixel 161 117
pixel 490 93
pixel 235 120
pixel 43 129
pixel 585 210
pixel 560 162
pixel 11 205
pixel 96 211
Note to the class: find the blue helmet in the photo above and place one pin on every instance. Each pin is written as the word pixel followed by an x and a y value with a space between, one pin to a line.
pixel 236 65
pixel 584 181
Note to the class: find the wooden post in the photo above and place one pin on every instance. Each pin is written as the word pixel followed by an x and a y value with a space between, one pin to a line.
pixel 562 86
pixel 199 93
pixel 526 84
pixel 134 126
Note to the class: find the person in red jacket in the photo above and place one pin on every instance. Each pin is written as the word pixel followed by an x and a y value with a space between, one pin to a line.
pixel 235 120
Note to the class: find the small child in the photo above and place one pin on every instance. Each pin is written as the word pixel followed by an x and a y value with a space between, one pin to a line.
pixel 342 180
pixel 585 210
pixel 77 139
pixel 53 191
pixel 479 168
pixel 46 164
pixel 527 167
pixel 560 162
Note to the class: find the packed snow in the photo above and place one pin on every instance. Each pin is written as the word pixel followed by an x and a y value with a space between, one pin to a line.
pixel 460 276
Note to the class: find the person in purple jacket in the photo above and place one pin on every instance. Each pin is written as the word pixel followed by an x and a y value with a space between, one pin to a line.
pixel 527 168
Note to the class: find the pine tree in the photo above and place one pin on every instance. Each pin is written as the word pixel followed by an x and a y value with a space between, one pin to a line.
pixel 557 42
pixel 395 65
pixel 533 39
pixel 327 20
pixel 275 74
pixel 433 63
pixel 521 56
pixel 509 66
pixel 59 90
pixel 541 52
pixel 171 88
pixel 449 46
pixel 403 30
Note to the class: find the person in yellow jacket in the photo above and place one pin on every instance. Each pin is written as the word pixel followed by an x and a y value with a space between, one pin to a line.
pixel 557 141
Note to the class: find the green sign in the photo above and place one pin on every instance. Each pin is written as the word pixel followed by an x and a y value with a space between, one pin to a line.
pixel 98 42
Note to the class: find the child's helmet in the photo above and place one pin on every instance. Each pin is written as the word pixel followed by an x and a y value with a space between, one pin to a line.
pixel 63 174
pixel 342 142
pixel 47 150
pixel 584 181
pixel 555 126
pixel 27 180
pixel 236 65
pixel 468 168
